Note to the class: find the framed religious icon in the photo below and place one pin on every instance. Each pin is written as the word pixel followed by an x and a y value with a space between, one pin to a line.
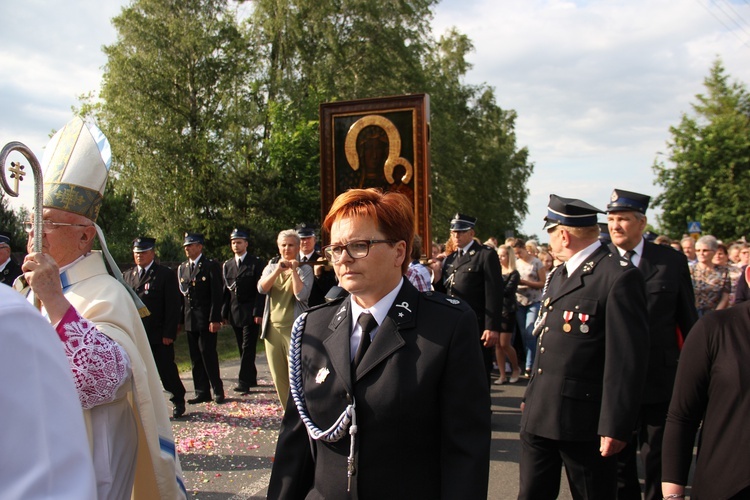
pixel 382 143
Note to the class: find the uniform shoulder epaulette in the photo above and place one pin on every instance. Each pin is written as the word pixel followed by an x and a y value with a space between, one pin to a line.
pixel 444 299
pixel 487 247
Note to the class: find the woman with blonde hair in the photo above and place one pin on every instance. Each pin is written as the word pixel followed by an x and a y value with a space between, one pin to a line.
pixel 287 287
pixel 529 297
pixel 504 347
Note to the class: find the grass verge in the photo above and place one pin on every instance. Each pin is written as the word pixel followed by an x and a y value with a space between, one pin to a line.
pixel 226 348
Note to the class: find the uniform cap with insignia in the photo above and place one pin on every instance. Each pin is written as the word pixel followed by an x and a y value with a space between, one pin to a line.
pixel 239 234
pixel 304 230
pixel 143 244
pixel 191 238
pixel 463 222
pixel 569 212
pixel 76 165
pixel 4 238
pixel 622 200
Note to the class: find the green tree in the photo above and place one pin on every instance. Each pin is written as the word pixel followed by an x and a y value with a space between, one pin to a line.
pixel 477 167
pixel 11 221
pixel 178 110
pixel 119 221
pixel 214 123
pixel 709 179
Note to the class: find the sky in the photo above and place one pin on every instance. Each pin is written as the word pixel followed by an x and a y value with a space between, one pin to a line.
pixel 595 84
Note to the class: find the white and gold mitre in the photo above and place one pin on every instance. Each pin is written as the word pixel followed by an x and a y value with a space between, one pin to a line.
pixel 76 165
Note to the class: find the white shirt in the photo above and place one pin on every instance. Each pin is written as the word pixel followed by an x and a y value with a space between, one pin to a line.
pixel 465 250
pixel 577 259
pixel 239 258
pixel 636 258
pixel 2 266
pixel 145 269
pixel 379 311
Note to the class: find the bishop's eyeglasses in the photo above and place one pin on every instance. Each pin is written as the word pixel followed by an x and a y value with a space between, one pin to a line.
pixel 48 226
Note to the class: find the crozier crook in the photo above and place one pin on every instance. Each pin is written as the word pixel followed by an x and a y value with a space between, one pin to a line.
pixel 17 173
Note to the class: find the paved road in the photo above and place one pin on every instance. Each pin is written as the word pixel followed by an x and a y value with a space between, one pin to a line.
pixel 226 450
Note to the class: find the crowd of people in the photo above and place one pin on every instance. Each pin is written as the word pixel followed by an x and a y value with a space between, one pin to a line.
pixel 621 336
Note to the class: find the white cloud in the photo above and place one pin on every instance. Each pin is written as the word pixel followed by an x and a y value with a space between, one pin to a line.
pixel 596 84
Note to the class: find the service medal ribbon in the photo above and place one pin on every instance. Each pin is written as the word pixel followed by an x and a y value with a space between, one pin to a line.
pixel 584 318
pixel 567 316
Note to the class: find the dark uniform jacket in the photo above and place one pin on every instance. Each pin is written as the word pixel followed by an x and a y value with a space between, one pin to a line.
pixel 321 284
pixel 422 406
pixel 671 304
pixel 160 293
pixel 242 302
pixel 203 294
pixel 477 279
pixel 10 273
pixel 587 384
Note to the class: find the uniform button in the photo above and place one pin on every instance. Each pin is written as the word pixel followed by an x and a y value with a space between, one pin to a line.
pixel 546 328
pixel 576 307
pixel 539 371
pixel 542 350
pixel 551 307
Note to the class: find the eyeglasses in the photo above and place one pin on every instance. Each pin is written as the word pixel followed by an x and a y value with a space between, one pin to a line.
pixel 357 249
pixel 48 226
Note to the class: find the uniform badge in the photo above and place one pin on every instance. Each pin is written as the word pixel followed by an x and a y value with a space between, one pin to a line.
pixel 405 305
pixel 322 375
pixel 588 266
pixel 624 263
pixel 472 252
pixel 453 301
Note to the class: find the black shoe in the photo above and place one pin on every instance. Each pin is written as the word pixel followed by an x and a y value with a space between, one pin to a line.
pixel 199 399
pixel 242 389
pixel 178 411
pixel 219 399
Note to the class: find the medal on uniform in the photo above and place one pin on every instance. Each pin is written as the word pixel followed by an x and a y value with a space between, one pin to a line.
pixel 322 375
pixel 584 318
pixel 567 316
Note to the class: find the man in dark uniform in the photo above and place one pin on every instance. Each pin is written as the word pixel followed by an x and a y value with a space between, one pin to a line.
pixel 472 273
pixel 325 278
pixel 671 313
pixel 9 270
pixel 243 307
pixel 157 287
pixel 582 401
pixel 401 368
pixel 202 285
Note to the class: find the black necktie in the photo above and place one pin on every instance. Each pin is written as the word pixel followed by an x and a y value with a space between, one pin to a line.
pixel 367 323
pixel 304 259
pixel 192 268
pixel 460 253
pixel 629 255
pixel 140 273
pixel 564 272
